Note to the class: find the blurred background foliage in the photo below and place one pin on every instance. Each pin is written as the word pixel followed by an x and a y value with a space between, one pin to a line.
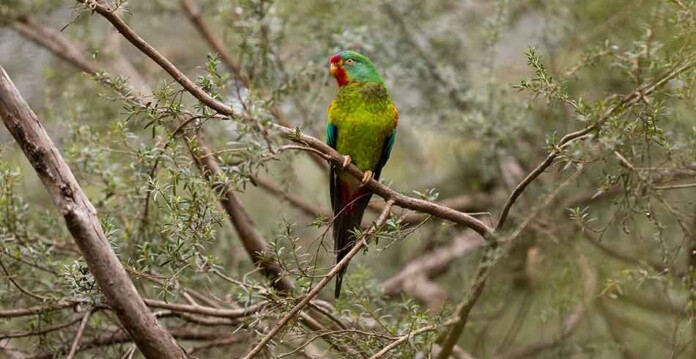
pixel 484 89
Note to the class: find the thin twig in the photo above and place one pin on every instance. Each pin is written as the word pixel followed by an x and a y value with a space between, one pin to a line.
pixel 626 102
pixel 208 311
pixel 314 291
pixel 76 342
pixel 408 336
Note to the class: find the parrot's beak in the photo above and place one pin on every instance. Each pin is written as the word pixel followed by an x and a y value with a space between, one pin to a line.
pixel 333 68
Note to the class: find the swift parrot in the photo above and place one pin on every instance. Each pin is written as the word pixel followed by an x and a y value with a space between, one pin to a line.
pixel 362 127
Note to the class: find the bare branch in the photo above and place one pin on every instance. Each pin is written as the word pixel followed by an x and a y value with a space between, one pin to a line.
pixel 21 312
pixel 76 342
pixel 208 311
pixel 52 40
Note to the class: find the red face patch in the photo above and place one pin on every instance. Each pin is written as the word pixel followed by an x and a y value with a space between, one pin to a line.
pixel 338 71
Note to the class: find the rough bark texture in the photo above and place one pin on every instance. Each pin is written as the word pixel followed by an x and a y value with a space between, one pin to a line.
pixel 81 219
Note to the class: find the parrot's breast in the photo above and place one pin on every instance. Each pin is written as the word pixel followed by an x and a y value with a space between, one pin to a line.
pixel 364 116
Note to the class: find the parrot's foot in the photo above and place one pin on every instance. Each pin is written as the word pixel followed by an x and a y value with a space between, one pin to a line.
pixel 366 178
pixel 346 161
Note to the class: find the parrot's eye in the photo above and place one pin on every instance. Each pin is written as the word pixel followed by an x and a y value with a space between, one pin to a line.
pixel 350 61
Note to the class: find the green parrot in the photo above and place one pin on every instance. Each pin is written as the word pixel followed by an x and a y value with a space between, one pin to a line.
pixel 362 127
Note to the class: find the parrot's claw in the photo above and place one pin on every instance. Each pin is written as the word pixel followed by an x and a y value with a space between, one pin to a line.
pixel 346 161
pixel 366 178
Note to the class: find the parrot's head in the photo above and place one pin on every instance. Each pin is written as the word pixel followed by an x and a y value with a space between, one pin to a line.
pixel 350 66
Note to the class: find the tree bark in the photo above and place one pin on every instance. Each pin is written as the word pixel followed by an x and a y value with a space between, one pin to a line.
pixel 81 219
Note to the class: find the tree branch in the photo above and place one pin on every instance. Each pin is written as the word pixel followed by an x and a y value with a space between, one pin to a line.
pixel 80 217
pixel 253 242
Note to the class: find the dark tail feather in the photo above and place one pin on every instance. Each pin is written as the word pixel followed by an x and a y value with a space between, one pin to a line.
pixel 346 222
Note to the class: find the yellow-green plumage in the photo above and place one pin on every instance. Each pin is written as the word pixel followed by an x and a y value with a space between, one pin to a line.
pixel 365 116
pixel 362 125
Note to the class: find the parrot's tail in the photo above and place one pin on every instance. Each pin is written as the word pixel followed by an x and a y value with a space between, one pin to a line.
pixel 347 219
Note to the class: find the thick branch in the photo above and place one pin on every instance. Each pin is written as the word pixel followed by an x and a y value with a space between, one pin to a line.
pixel 81 219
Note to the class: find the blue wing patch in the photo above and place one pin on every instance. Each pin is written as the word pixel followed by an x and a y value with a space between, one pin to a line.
pixel 386 151
pixel 331 132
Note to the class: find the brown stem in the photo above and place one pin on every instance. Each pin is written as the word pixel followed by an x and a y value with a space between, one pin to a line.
pixel 383 191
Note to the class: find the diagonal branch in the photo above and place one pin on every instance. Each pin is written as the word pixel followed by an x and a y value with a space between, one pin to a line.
pixel 81 219
pixel 253 242
pixel 250 238
pixel 324 281
pixel 76 342
pixel 194 15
